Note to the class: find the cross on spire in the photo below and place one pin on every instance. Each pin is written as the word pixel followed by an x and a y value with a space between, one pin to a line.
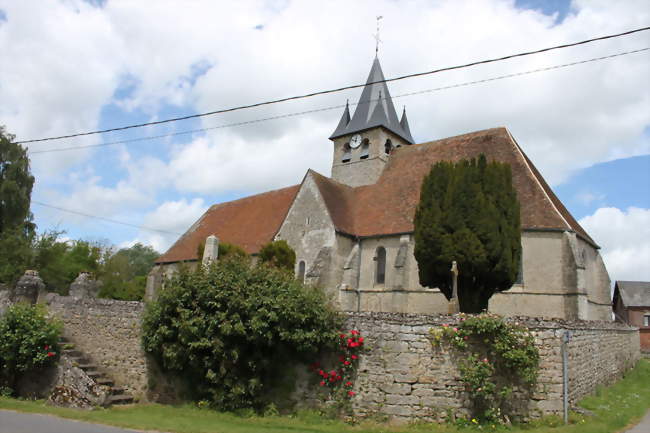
pixel 376 36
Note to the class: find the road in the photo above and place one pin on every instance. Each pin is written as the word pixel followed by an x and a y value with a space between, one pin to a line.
pixel 643 426
pixel 17 422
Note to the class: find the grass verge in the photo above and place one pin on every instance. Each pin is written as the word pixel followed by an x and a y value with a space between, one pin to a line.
pixel 614 408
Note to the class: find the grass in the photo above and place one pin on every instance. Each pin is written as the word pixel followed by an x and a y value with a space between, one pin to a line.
pixel 614 408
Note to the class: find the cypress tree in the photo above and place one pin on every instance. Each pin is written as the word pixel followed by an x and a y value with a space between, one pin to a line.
pixel 468 212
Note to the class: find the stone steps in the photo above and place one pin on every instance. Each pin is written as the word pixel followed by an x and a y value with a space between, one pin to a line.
pixel 117 394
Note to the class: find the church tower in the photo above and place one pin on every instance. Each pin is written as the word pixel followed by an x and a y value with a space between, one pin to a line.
pixel 363 143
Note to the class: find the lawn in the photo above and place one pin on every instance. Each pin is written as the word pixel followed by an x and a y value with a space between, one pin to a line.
pixel 614 408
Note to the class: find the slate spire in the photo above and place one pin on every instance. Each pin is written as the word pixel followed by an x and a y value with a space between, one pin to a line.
pixel 375 108
pixel 404 123
pixel 343 123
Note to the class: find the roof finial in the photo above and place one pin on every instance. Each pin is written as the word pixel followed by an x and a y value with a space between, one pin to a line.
pixel 376 36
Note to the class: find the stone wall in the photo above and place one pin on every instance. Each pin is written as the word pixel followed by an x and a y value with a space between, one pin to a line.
pixel 108 332
pixel 402 375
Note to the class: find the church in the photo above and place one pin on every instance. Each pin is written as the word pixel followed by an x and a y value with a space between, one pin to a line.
pixel 353 232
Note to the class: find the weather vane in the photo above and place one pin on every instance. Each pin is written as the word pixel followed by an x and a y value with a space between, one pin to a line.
pixel 376 36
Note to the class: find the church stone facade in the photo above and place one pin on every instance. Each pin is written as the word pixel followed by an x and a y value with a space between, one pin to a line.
pixel 353 232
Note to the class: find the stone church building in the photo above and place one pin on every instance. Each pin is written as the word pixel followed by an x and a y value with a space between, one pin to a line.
pixel 353 232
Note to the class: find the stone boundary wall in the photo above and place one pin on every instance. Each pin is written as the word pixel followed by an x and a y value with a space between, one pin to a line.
pixel 402 375
pixel 108 332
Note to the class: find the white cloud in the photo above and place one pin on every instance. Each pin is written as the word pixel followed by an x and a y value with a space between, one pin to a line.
pixel 171 216
pixel 588 197
pixel 624 236
pixel 69 59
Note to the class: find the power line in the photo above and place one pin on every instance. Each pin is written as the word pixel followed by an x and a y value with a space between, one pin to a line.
pixel 334 107
pixel 340 89
pixel 104 219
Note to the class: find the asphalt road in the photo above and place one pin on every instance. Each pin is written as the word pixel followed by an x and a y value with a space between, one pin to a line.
pixel 643 426
pixel 17 422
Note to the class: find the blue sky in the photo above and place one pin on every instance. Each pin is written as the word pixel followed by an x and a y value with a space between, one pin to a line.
pixel 85 65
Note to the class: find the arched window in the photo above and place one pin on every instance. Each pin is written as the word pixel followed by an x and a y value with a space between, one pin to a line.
pixel 301 271
pixel 365 149
pixel 388 147
pixel 380 270
pixel 347 153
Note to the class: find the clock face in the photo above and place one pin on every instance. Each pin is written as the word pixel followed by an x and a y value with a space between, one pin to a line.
pixel 355 141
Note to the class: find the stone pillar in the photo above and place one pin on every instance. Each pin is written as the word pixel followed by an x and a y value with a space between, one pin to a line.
pixel 211 250
pixel 85 286
pixel 154 282
pixel 28 287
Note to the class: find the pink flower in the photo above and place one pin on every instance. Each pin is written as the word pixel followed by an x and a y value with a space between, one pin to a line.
pixel 322 383
pixel 479 389
pixel 485 360
pixel 444 325
pixel 466 337
pixel 455 329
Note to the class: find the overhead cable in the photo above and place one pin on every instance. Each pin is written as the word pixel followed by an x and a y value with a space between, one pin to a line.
pixel 340 89
pixel 104 219
pixel 334 107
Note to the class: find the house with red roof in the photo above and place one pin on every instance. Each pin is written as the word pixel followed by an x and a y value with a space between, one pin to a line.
pixel 353 231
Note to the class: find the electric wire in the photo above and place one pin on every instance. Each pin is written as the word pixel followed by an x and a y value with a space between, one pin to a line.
pixel 323 92
pixel 334 107
pixel 105 219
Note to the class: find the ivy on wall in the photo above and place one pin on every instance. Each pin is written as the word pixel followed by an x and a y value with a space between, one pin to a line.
pixel 496 357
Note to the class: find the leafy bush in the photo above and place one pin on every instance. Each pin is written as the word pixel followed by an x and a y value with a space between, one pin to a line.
pixel 28 340
pixel 232 330
pixel 499 357
pixel 278 254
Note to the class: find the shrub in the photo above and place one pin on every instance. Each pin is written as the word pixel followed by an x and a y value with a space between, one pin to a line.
pixel 28 340
pixel 232 331
pixel 278 254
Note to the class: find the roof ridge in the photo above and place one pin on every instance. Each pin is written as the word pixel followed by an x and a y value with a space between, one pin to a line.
pixel 252 196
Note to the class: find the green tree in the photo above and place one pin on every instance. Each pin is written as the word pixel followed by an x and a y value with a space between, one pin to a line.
pixel 233 331
pixel 278 254
pixel 124 274
pixel 16 226
pixel 59 262
pixel 468 212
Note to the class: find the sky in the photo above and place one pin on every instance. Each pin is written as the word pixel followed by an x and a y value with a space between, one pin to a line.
pixel 70 66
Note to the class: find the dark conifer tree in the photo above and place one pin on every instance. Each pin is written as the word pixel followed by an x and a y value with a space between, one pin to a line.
pixel 468 212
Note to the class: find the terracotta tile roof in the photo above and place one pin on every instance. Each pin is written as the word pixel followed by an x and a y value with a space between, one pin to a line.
pixel 388 206
pixel 249 222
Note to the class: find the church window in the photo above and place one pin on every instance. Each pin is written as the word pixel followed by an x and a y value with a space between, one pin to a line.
pixel 365 149
pixel 307 221
pixel 646 320
pixel 301 271
pixel 520 273
pixel 380 268
pixel 388 147
pixel 347 153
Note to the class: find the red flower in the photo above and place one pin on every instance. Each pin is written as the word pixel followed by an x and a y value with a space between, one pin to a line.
pixel 350 341
pixel 353 344
pixel 342 336
pixel 354 357
pixel 354 332
pixel 360 339
pixel 50 354
pixel 47 347
pixel 351 393
pixel 348 383
pixel 333 373
pixel 341 358
pixel 338 378
pixel 322 383
pixel 332 379
pixel 346 363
